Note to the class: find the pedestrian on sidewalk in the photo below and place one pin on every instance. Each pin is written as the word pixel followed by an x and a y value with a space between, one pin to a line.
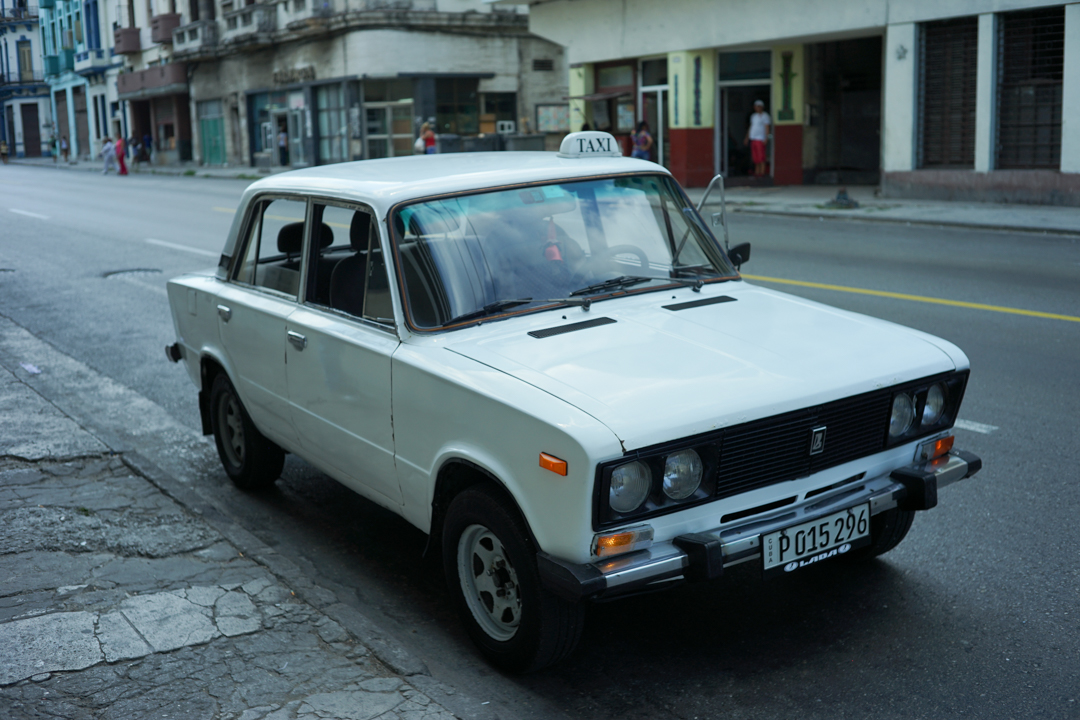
pixel 428 136
pixel 64 149
pixel 3 151
pixel 147 147
pixel 283 146
pixel 643 142
pixel 757 135
pixel 120 151
pixel 108 154
pixel 136 150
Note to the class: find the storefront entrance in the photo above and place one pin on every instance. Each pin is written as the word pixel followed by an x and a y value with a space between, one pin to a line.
pixel 736 105
pixel 389 129
pixel 653 104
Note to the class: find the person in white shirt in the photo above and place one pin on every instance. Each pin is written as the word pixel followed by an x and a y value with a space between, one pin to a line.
pixel 757 135
pixel 108 154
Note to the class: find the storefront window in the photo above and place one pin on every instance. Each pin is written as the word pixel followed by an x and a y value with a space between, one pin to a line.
pixel 744 65
pixel 497 108
pixel 263 105
pixel 333 140
pixel 388 90
pixel 457 107
pixel 654 72
pixel 613 77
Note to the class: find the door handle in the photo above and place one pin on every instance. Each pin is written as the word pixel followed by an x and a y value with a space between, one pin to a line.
pixel 298 340
pixel 224 312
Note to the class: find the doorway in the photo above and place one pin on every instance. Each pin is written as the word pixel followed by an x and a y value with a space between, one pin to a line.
pixel 736 105
pixel 389 129
pixel 31 130
pixel 652 102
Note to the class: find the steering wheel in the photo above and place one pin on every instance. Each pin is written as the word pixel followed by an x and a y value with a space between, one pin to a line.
pixel 613 250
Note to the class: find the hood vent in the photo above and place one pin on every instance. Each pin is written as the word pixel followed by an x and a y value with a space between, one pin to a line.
pixel 699 303
pixel 572 327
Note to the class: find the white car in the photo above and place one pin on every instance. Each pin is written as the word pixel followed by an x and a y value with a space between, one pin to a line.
pixel 549 363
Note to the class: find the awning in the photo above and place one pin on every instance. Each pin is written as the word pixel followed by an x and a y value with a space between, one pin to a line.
pixel 601 95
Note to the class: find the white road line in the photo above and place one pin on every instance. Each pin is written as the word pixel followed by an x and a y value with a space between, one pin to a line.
pixel 185 248
pixel 975 427
pixel 27 213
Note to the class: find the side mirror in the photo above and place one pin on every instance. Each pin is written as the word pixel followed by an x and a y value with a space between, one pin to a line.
pixel 739 254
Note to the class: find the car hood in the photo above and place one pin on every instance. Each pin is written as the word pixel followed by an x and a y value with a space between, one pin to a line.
pixel 659 374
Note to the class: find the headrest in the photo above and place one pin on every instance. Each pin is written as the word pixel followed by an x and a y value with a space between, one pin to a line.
pixel 290 238
pixel 360 231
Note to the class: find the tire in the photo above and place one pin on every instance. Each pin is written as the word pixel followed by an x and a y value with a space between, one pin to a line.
pixel 887 529
pixel 491 572
pixel 250 460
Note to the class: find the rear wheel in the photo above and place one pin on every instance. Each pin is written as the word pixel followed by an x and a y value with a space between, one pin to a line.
pixel 250 460
pixel 492 575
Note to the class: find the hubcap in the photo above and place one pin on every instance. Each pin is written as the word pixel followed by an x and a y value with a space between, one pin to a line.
pixel 232 429
pixel 489 582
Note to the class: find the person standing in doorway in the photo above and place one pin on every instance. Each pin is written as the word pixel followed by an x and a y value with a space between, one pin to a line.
pixel 3 151
pixel 643 142
pixel 64 149
pixel 147 147
pixel 108 155
pixel 757 135
pixel 283 145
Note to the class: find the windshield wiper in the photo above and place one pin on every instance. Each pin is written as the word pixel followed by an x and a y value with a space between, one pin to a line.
pixel 488 309
pixel 615 282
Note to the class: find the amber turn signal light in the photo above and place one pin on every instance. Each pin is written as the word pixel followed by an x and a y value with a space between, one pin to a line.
pixel 552 463
pixel 935 448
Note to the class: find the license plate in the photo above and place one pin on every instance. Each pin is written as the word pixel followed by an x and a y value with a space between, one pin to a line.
pixel 800 546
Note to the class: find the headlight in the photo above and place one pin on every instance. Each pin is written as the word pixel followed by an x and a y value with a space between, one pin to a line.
pixel 630 485
pixel 682 474
pixel 903 414
pixel 935 405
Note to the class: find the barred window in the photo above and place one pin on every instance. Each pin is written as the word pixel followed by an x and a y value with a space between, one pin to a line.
pixel 1031 59
pixel 948 56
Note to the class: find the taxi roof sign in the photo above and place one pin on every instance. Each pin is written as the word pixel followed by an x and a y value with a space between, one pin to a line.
pixel 590 143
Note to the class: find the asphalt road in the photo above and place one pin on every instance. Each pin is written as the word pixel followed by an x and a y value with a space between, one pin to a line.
pixel 976 614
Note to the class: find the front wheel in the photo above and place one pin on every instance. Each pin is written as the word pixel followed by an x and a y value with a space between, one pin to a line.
pixel 492 575
pixel 250 460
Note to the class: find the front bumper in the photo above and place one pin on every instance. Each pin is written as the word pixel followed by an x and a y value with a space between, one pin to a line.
pixel 703 556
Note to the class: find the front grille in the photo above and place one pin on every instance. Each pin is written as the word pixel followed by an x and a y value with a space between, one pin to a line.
pixel 777 449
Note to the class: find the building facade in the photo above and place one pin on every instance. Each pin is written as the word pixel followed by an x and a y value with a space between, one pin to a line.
pixel 976 99
pixel 25 111
pixel 306 82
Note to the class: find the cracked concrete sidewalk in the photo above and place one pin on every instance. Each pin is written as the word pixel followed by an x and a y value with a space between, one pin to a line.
pixel 118 602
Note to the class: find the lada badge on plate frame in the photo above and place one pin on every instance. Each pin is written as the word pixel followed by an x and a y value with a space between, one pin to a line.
pixel 798 546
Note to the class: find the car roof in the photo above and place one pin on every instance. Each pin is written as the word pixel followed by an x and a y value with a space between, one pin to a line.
pixel 386 182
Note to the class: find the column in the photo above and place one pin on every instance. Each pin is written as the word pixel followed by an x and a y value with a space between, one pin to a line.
pixel 788 108
pixel 1070 99
pixel 986 94
pixel 900 102
pixel 691 111
pixel 582 82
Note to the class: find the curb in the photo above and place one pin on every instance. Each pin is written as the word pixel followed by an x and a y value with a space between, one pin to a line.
pixel 391 653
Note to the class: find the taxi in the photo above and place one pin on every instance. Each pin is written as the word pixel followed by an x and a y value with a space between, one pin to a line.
pixel 549 363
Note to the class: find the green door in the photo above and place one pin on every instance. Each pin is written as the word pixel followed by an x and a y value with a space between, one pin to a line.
pixel 212 131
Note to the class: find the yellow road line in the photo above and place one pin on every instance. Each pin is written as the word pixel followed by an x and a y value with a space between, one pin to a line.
pixel 916 298
pixel 228 210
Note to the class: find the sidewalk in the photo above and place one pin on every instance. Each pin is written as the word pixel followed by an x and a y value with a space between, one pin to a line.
pixel 121 600
pixel 792 200
pixel 813 201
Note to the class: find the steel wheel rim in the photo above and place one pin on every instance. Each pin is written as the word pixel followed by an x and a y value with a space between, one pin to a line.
pixel 489 582
pixel 232 429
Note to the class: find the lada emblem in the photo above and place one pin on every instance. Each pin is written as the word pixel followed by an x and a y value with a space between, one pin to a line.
pixel 817 440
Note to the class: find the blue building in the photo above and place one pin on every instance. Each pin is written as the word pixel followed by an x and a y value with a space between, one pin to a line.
pixel 25 112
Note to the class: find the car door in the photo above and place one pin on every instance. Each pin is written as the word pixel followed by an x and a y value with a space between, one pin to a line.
pixel 341 339
pixel 252 309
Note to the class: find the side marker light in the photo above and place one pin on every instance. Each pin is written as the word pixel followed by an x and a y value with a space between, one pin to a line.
pixel 623 541
pixel 552 463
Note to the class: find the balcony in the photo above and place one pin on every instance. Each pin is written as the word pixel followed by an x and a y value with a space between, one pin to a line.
pixel 47 4
pixel 159 80
pixel 52 64
pixel 67 59
pixel 194 38
pixel 297 14
pixel 162 26
pixel 249 22
pixel 126 40
pixel 21 77
pixel 92 62
pixel 19 15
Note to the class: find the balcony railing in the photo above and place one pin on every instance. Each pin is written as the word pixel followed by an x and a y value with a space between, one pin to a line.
pixel 195 37
pixel 89 62
pixel 126 40
pixel 249 20
pixel 21 77
pixel 162 26
pixel 17 15
pixel 160 79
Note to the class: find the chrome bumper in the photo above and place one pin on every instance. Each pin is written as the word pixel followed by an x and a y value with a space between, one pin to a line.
pixel 703 556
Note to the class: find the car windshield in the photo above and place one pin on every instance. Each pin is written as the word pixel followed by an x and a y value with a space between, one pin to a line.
pixel 469 257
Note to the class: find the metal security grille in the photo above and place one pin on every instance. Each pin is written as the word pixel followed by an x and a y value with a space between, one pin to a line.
pixel 948 56
pixel 1031 52
pixel 776 449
